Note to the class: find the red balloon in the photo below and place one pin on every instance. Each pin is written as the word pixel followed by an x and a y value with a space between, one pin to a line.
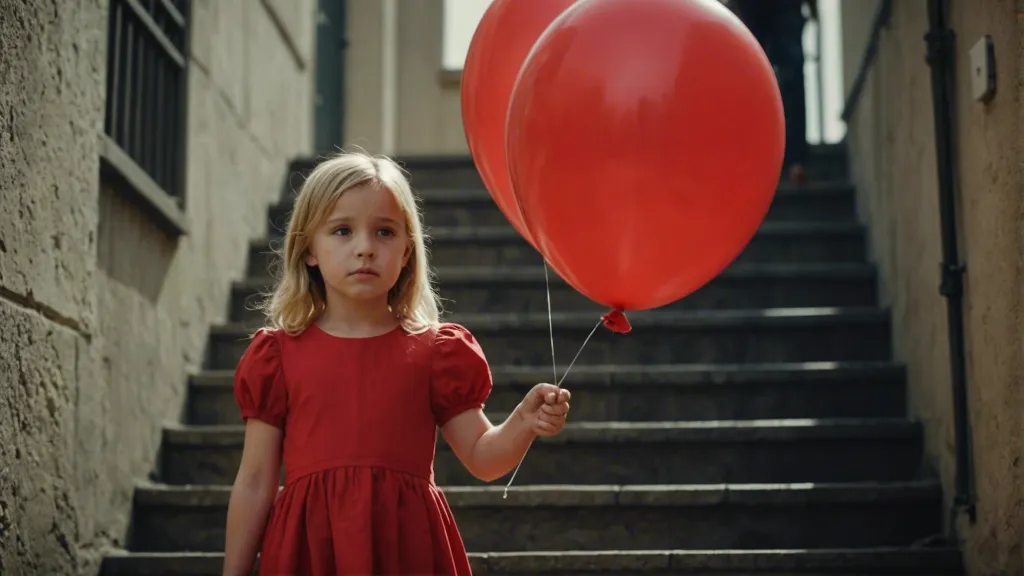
pixel 645 143
pixel 499 46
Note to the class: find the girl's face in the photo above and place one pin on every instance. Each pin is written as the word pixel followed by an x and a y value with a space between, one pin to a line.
pixel 363 244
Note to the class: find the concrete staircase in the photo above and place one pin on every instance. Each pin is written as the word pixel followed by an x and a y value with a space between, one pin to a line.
pixel 756 427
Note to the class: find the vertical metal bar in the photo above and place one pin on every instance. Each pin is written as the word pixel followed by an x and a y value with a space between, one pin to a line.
pixel 182 117
pixel 159 121
pixel 152 134
pixel 941 58
pixel 174 13
pixel 114 90
pixel 170 132
pixel 146 108
pixel 129 52
pixel 111 79
pixel 821 87
pixel 149 130
pixel 176 183
pixel 171 120
pixel 138 103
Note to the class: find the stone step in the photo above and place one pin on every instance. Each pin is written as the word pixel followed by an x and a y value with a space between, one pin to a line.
pixel 825 163
pixel 821 202
pixel 904 561
pixel 523 289
pixel 659 393
pixel 658 337
pixel 788 242
pixel 424 171
pixel 664 517
pixel 804 450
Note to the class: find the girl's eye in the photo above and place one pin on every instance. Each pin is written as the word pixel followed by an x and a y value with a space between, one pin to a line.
pixel 343 231
pixel 387 232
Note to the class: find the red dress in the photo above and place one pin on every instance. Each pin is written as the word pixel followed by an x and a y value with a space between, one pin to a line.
pixel 360 418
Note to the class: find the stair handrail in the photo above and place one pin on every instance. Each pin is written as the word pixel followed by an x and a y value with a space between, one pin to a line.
pixel 882 14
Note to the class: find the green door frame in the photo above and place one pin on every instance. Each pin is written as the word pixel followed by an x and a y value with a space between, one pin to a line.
pixel 331 43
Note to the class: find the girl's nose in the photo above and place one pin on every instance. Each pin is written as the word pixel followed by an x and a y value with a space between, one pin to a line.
pixel 365 247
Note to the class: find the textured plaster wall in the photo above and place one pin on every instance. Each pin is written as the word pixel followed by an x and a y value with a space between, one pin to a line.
pixel 364 83
pixel 426 111
pixel 892 148
pixel 102 314
pixel 429 107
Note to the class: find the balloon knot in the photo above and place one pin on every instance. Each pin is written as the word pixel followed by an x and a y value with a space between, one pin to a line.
pixel 616 321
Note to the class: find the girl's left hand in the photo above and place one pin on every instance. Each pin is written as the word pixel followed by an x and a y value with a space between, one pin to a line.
pixel 544 409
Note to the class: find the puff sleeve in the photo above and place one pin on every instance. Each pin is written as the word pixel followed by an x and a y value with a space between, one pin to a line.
pixel 460 377
pixel 259 383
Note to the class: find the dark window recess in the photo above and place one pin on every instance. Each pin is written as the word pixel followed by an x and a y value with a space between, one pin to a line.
pixel 146 87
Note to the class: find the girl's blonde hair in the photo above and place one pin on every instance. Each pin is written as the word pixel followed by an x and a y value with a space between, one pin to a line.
pixel 300 295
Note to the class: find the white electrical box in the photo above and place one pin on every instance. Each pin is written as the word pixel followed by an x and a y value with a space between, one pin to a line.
pixel 983 69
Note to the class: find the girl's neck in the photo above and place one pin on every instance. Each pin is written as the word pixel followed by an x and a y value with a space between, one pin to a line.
pixel 356 318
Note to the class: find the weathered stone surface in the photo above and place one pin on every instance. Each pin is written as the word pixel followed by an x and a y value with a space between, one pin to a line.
pixel 783 335
pixel 774 242
pixel 827 163
pixel 51 111
pixel 522 289
pixel 830 202
pixel 745 286
pixel 554 518
pixel 122 563
pixel 587 453
pixel 710 452
pixel 848 562
pixel 660 393
pixel 727 562
pixel 671 337
pixel 424 171
pixel 39 393
pixel 766 517
pixel 502 246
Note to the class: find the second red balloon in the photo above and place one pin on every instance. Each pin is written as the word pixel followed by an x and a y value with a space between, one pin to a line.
pixel 500 44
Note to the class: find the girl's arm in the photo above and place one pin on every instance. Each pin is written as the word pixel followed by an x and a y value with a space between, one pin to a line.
pixel 252 496
pixel 489 452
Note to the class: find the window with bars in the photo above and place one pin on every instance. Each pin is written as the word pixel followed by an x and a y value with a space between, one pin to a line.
pixel 146 109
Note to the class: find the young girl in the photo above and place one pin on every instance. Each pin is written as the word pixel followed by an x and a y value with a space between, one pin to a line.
pixel 348 386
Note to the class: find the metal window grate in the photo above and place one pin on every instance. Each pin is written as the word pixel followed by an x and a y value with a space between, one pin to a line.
pixel 146 87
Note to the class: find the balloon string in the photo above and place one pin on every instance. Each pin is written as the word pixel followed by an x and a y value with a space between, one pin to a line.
pixel 554 366
pixel 580 351
pixel 551 324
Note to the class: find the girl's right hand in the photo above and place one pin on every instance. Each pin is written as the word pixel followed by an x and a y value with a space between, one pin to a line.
pixel 544 409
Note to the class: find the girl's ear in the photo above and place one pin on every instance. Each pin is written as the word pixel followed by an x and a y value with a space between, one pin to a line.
pixel 407 255
pixel 310 259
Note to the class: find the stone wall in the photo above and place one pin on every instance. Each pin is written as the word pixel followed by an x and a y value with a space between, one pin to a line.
pixel 891 137
pixel 105 313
